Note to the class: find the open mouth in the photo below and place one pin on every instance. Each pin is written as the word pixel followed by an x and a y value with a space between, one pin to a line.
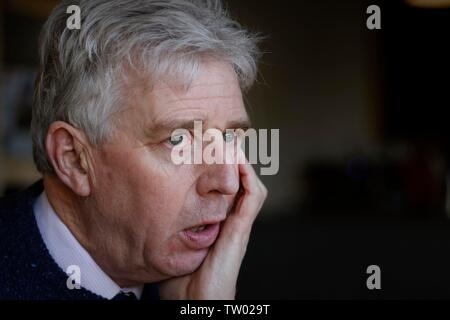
pixel 199 229
pixel 200 237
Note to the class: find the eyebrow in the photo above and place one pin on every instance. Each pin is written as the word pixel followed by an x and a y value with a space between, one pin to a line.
pixel 168 126
pixel 173 124
pixel 244 123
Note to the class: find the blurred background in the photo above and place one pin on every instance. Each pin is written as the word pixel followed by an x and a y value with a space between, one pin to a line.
pixel 364 163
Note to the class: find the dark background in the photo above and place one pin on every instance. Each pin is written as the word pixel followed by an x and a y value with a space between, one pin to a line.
pixel 363 144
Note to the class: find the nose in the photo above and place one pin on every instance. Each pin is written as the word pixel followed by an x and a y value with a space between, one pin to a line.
pixel 219 178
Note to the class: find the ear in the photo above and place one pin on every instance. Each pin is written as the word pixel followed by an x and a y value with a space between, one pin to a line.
pixel 67 149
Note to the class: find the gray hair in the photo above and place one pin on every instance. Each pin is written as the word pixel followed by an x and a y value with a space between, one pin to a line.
pixel 82 72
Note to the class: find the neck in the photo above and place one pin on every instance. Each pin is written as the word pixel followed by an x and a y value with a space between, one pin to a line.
pixel 71 209
pixel 66 204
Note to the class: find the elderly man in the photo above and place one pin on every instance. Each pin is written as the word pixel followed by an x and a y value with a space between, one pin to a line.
pixel 113 210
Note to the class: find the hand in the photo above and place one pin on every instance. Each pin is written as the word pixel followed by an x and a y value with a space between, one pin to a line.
pixel 216 278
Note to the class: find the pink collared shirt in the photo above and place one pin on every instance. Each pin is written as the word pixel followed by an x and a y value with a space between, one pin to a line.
pixel 67 251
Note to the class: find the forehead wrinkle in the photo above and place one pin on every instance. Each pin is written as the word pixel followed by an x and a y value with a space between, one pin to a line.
pixel 169 88
pixel 174 101
pixel 168 122
pixel 200 113
pixel 204 98
pixel 216 90
pixel 195 87
pixel 207 84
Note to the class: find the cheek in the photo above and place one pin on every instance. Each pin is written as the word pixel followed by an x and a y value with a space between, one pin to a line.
pixel 156 194
pixel 159 193
pixel 142 176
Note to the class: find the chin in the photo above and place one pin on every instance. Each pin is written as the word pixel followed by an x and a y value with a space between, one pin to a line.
pixel 184 263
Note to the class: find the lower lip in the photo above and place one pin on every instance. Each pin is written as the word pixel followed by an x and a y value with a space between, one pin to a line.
pixel 203 239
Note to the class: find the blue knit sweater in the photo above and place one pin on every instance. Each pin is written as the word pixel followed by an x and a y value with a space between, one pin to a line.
pixel 27 271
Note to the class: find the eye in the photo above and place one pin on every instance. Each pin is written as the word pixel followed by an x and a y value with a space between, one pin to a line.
pixel 229 136
pixel 177 139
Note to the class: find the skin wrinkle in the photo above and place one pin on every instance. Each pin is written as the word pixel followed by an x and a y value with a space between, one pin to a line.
pixel 167 89
pixel 166 39
pixel 96 227
pixel 200 87
pixel 88 159
pixel 118 191
pixel 77 223
pixel 140 201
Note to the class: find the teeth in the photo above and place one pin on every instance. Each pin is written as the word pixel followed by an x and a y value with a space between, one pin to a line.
pixel 198 229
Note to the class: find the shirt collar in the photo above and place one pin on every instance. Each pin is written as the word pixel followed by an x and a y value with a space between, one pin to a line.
pixel 67 251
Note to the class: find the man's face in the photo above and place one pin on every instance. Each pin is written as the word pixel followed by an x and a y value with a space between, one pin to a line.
pixel 144 204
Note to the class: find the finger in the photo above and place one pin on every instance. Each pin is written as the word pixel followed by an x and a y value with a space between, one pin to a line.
pixel 249 179
pixel 226 256
pixel 248 203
